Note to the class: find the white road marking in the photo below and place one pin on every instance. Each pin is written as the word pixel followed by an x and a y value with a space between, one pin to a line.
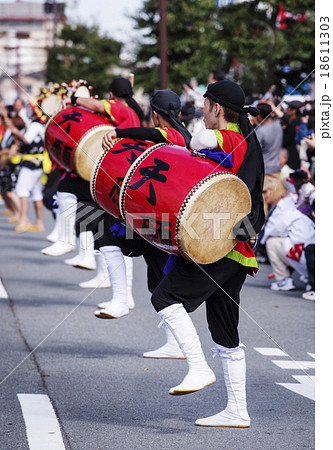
pixel 306 383
pixel 302 365
pixel 3 292
pixel 267 351
pixel 305 386
pixel 43 431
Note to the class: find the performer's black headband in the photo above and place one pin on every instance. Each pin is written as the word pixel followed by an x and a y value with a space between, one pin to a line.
pixel 121 87
pixel 230 95
pixel 166 103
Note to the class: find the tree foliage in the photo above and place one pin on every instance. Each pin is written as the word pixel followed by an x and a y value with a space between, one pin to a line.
pixel 243 39
pixel 83 54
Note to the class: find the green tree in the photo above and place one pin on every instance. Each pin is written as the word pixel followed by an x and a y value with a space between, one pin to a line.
pixel 192 46
pixel 83 54
pixel 243 39
pixel 256 46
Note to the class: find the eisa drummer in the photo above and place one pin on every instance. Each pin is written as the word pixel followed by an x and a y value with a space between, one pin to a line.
pixel 187 285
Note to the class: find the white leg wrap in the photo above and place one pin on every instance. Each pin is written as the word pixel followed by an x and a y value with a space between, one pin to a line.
pixel 101 280
pixel 67 212
pixel 200 374
pixel 118 306
pixel 129 281
pixel 234 369
pixel 170 350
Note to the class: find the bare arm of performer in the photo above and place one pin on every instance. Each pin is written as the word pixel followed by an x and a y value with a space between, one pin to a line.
pixel 90 103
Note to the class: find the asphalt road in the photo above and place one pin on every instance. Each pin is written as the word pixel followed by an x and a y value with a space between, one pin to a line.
pixel 106 396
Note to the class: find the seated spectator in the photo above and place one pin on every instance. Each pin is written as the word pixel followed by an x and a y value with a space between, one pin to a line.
pixel 286 234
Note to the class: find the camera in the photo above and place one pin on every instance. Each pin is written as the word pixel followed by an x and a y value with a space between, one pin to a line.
pixel 299 176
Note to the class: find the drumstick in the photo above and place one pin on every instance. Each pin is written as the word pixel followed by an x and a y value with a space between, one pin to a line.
pixel 131 79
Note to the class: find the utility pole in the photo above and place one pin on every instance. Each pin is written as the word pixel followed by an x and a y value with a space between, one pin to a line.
pixel 163 46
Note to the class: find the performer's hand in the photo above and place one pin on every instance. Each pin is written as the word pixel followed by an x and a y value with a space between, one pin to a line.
pixel 107 141
pixel 65 102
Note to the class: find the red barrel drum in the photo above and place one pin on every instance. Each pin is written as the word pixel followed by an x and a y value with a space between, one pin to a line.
pixel 110 170
pixel 74 139
pixel 182 204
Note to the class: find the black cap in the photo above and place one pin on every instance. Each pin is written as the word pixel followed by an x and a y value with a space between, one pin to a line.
pixel 166 103
pixel 227 93
pixel 121 87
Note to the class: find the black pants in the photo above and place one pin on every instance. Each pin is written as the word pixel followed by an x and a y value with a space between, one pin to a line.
pixel 76 186
pixel 88 218
pixel 217 284
pixel 310 263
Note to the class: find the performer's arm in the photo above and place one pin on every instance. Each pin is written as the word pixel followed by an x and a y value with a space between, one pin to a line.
pixel 89 103
pixel 140 133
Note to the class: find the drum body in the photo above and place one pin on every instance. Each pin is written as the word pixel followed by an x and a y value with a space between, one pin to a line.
pixel 74 139
pixel 111 169
pixel 180 203
pixel 183 204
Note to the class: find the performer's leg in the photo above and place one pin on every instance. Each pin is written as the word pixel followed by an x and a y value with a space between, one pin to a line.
pixel 183 289
pixel 37 199
pixel 234 369
pixel 156 261
pixel 102 279
pixel 170 350
pixel 129 281
pixel 85 259
pixel 223 317
pixel 54 235
pixel 23 191
pixel 67 212
pixel 118 306
pixel 199 374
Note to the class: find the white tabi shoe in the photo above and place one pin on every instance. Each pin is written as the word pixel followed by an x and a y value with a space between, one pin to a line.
pixel 112 312
pixel 235 415
pixel 200 374
pixel 170 350
pixel 59 248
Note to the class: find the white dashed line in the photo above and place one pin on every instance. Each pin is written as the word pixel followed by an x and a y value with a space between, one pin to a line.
pixel 43 431
pixel 3 292
pixel 268 351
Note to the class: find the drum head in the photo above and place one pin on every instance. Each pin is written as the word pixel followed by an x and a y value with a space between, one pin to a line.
pixel 207 217
pixel 50 105
pixel 89 149
pixel 82 91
